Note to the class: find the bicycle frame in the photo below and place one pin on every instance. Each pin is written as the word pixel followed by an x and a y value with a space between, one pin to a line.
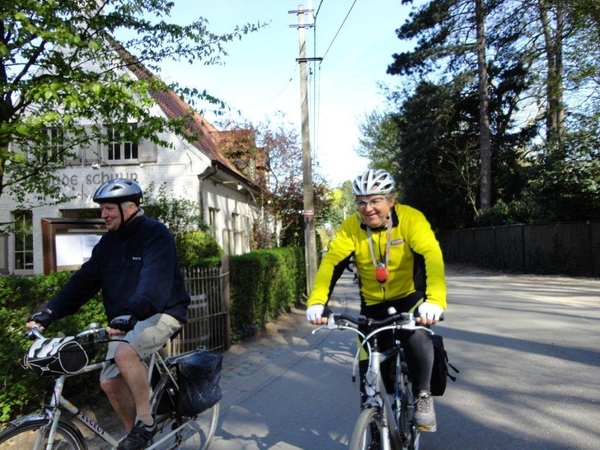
pixel 374 386
pixel 52 411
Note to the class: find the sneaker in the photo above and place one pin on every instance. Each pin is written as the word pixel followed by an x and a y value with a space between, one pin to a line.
pixel 139 437
pixel 424 412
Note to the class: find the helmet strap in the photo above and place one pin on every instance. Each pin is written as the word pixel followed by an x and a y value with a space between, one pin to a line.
pixel 133 216
pixel 122 216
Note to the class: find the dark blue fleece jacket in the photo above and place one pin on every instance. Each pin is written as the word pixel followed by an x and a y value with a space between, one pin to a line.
pixel 136 267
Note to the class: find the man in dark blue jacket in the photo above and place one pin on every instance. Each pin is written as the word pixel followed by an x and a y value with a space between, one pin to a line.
pixel 135 265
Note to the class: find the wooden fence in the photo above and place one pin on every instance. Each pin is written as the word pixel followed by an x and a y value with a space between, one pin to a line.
pixel 571 249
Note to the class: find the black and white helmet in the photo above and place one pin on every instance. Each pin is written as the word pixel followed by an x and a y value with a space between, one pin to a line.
pixel 119 190
pixel 373 182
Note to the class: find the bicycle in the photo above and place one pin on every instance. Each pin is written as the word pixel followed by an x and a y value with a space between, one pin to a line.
pixel 50 431
pixel 383 423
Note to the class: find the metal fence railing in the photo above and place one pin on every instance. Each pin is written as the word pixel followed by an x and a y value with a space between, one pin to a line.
pixel 571 249
pixel 207 314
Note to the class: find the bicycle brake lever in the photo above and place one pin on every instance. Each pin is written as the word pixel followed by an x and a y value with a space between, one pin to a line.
pixel 33 333
pixel 331 322
pixel 102 335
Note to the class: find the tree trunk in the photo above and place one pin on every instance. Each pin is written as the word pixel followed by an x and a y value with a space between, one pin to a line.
pixel 484 118
pixel 554 81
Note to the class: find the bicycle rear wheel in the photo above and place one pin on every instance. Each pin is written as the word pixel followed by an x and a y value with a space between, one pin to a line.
pixel 191 432
pixel 34 435
pixel 187 433
pixel 367 434
pixel 200 430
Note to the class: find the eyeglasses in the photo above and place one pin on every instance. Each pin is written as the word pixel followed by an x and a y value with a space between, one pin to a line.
pixel 374 203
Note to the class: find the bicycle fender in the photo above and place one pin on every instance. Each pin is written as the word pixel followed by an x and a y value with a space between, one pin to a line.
pixel 43 417
pixel 31 418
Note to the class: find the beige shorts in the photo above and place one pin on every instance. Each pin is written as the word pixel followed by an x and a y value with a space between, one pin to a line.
pixel 148 336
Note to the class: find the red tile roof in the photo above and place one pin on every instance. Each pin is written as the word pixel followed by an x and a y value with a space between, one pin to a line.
pixel 203 135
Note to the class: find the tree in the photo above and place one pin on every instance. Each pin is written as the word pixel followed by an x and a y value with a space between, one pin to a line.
pixel 430 142
pixel 195 246
pixel 529 54
pixel 445 29
pixel 379 140
pixel 343 203
pixel 284 148
pixel 283 200
pixel 61 68
pixel 438 131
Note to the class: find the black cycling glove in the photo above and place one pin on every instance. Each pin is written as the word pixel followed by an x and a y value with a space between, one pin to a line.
pixel 123 323
pixel 43 318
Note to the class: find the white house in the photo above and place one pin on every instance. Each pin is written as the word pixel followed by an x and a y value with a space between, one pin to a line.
pixel 60 237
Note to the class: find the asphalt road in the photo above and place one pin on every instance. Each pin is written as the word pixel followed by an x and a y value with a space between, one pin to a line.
pixel 527 347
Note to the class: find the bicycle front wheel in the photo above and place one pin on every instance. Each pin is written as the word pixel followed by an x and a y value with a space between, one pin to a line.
pixel 368 432
pixel 34 435
pixel 411 435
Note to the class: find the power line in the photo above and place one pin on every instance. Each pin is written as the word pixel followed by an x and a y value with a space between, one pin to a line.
pixel 316 85
pixel 282 90
pixel 317 13
pixel 339 29
pixel 316 78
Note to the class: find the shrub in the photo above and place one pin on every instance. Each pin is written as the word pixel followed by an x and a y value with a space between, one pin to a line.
pixel 264 284
pixel 23 391
pixel 198 249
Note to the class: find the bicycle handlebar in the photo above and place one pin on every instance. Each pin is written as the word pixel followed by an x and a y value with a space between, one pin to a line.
pixel 93 329
pixel 371 327
pixel 405 320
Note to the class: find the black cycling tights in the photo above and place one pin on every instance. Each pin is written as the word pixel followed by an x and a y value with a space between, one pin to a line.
pixel 418 350
pixel 417 344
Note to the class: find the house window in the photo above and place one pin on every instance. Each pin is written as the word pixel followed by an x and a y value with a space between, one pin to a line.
pixel 23 240
pixel 119 149
pixel 48 148
pixel 55 145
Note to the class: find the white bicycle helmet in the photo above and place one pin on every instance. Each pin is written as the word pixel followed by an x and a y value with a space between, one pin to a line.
pixel 373 182
pixel 119 190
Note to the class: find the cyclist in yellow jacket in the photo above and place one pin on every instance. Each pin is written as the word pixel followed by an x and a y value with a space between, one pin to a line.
pixel 400 265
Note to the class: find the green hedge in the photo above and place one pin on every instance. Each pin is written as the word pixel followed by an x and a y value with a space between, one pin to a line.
pixel 22 391
pixel 264 284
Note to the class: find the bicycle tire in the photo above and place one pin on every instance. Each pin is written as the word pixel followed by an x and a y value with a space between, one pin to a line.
pixel 200 430
pixel 24 436
pixel 367 431
pixel 213 414
pixel 410 433
pixel 204 426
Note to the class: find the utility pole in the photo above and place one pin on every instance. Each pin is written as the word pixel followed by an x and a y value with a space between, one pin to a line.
pixel 310 240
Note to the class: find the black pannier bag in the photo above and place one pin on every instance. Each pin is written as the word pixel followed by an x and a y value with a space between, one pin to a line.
pixel 57 356
pixel 440 372
pixel 198 374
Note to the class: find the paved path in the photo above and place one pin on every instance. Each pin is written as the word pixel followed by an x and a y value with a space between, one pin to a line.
pixel 259 371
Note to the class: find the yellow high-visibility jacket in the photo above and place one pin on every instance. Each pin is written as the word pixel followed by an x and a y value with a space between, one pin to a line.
pixel 415 263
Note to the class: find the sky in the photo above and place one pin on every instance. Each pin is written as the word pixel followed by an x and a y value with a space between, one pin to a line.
pixel 261 78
